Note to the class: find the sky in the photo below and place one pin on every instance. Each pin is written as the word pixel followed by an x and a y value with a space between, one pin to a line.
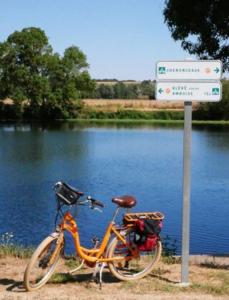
pixel 122 39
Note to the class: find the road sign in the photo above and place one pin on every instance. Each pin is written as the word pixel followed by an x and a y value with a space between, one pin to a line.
pixel 189 70
pixel 188 81
pixel 189 91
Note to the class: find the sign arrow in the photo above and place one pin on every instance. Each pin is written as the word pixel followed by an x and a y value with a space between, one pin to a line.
pixel 217 70
pixel 160 91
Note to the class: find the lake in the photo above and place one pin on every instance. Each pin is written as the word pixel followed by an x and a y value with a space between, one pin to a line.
pixel 108 161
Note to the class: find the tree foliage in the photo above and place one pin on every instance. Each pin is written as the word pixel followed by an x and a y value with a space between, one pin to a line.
pixel 50 84
pixel 202 26
pixel 121 90
pixel 215 111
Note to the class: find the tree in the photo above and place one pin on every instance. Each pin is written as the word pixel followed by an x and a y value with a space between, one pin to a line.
pixel 105 91
pixel 29 70
pixel 23 65
pixel 202 26
pixel 215 111
pixel 120 91
pixel 147 88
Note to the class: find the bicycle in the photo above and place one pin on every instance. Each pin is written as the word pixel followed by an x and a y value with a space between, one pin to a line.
pixel 118 248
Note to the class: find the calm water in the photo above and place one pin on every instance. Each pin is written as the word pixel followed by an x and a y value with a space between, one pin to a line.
pixel 109 161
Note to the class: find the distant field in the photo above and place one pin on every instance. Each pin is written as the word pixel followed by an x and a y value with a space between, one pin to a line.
pixel 135 104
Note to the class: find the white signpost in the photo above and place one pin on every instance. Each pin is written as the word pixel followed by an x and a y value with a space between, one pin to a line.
pixel 188 81
pixel 189 70
pixel 190 91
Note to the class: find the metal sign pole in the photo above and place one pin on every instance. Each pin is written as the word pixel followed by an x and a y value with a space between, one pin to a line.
pixel 186 192
pixel 190 80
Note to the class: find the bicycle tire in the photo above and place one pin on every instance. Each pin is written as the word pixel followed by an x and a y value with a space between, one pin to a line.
pixel 32 280
pixel 136 268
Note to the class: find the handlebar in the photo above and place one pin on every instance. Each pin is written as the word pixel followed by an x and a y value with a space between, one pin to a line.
pixel 95 202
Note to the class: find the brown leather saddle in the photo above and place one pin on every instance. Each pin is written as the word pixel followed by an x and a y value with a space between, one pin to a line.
pixel 125 201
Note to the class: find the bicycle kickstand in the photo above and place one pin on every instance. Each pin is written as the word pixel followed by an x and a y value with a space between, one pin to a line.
pixel 99 268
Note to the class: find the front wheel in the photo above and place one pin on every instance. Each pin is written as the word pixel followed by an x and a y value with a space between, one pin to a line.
pixel 43 262
pixel 132 266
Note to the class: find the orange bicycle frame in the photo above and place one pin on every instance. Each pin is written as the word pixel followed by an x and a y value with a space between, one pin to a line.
pixel 95 254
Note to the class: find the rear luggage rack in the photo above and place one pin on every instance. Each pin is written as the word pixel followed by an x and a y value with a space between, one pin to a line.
pixel 133 217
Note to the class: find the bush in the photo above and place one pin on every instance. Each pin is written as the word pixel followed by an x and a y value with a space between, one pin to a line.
pixel 215 111
pixel 11 111
pixel 120 90
pixel 131 115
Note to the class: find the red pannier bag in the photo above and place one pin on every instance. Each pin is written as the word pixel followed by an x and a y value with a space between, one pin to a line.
pixel 147 233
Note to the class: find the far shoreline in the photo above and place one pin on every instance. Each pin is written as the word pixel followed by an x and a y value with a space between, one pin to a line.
pixel 146 121
pixel 117 121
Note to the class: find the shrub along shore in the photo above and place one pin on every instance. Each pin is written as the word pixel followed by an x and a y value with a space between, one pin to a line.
pixel 132 117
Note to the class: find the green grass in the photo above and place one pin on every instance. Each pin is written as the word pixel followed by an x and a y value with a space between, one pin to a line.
pixel 15 251
pixel 126 120
pixel 209 122
pixel 170 259
pixel 73 263
pixel 144 122
pixel 62 278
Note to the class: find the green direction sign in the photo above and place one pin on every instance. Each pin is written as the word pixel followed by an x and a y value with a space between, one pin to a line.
pixel 215 91
pixel 188 91
pixel 161 70
pixel 189 70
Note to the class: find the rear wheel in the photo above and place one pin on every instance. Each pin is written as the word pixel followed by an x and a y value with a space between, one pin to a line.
pixel 132 266
pixel 43 262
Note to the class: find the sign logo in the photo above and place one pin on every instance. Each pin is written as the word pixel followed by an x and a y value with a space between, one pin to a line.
pixel 215 91
pixel 161 70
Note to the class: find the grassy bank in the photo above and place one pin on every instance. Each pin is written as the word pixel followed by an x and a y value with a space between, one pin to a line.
pixel 123 115
pixel 125 123
pixel 136 117
pixel 133 122
pixel 131 114
pixel 16 251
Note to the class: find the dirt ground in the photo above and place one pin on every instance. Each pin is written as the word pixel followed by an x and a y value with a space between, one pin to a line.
pixel 206 275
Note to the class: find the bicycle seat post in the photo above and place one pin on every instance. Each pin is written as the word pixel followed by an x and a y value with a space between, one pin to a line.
pixel 115 214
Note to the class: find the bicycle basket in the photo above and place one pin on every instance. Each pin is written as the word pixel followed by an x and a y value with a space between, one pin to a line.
pixel 65 195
